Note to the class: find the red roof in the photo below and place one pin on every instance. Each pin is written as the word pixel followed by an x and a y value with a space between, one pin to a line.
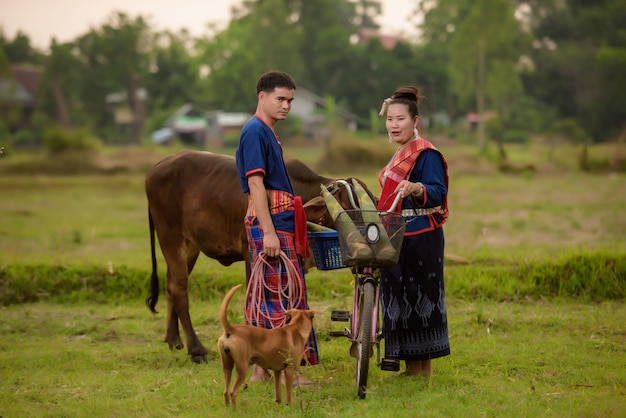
pixel 27 77
pixel 388 41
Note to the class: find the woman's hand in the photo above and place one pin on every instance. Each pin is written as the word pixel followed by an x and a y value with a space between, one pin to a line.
pixel 410 188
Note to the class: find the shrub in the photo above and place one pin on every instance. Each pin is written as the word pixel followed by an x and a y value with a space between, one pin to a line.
pixel 352 155
pixel 587 277
pixel 59 140
pixel 23 138
pixel 567 129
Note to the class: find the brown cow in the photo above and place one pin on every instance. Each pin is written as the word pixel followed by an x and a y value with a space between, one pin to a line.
pixel 195 204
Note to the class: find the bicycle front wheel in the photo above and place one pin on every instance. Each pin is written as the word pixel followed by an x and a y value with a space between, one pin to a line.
pixel 364 339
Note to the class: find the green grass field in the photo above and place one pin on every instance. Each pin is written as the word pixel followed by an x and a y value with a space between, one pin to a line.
pixel 536 268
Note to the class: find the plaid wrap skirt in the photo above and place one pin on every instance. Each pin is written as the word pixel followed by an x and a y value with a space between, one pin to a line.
pixel 276 286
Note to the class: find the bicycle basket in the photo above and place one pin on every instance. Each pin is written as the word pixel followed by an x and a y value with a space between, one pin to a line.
pixel 326 252
pixel 370 238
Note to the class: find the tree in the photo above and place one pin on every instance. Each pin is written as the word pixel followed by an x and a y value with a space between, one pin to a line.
pixel 367 12
pixel 441 18
pixel 485 48
pixel 326 29
pixel 579 58
pixel 10 112
pixel 58 84
pixel 19 50
pixel 116 57
pixel 174 78
pixel 261 37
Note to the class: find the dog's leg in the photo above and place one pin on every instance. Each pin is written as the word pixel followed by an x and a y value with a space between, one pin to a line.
pixel 277 386
pixel 289 379
pixel 242 372
pixel 227 369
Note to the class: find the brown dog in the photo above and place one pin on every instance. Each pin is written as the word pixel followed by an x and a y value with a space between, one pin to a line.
pixel 280 349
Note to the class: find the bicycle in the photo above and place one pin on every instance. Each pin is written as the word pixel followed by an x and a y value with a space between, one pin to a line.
pixel 332 251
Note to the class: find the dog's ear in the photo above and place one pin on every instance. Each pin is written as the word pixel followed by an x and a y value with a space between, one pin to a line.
pixel 312 313
pixel 289 313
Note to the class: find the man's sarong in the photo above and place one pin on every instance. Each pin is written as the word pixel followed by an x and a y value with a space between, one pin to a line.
pixel 274 303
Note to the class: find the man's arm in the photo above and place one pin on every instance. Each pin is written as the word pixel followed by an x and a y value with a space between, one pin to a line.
pixel 258 194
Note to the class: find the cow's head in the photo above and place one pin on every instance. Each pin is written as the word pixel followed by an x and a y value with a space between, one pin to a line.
pixel 343 191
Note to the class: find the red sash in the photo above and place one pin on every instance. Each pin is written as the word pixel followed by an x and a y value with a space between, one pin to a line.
pixel 302 238
pixel 398 169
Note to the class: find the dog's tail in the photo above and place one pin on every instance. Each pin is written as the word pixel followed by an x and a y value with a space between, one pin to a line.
pixel 224 309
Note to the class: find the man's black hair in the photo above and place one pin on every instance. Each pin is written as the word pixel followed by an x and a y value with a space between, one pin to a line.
pixel 271 80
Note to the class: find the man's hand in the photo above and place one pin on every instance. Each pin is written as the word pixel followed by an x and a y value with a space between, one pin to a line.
pixel 271 245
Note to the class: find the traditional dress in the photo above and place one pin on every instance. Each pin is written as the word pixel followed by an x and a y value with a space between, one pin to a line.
pixel 415 323
pixel 259 151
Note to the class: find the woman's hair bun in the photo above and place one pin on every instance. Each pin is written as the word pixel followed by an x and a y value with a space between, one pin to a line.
pixel 407 92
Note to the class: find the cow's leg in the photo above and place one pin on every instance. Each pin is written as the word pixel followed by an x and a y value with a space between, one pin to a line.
pixel 196 350
pixel 178 308
pixel 172 335
pixel 178 262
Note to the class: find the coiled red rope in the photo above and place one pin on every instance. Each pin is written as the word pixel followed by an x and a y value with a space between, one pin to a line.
pixel 255 292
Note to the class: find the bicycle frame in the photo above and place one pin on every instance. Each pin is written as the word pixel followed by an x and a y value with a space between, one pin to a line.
pixel 365 331
pixel 372 276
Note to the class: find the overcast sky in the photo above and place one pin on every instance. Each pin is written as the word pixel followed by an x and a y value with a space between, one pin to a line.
pixel 67 19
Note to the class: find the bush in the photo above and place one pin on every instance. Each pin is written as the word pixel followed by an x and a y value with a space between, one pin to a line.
pixel 567 129
pixel 58 140
pixel 352 155
pixel 23 138
pixel 589 277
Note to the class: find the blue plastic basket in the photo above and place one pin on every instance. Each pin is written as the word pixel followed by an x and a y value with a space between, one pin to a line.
pixel 326 251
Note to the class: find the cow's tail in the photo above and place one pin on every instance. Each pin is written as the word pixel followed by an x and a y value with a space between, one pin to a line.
pixel 154 279
pixel 228 329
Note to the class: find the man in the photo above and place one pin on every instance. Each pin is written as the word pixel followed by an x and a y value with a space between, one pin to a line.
pixel 272 211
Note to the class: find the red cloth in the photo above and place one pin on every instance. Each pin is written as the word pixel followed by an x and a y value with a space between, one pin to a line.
pixel 302 239
pixel 387 196
pixel 398 169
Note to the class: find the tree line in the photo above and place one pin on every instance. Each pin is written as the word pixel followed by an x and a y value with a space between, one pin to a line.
pixel 546 67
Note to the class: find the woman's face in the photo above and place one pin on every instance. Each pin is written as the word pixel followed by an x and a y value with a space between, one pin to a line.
pixel 400 124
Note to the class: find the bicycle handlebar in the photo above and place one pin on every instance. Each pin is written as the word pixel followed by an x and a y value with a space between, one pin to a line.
pixel 396 200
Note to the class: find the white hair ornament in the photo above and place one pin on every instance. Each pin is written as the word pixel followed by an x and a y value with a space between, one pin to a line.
pixel 383 107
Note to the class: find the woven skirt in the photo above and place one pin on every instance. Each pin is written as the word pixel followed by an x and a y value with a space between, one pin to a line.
pixel 415 323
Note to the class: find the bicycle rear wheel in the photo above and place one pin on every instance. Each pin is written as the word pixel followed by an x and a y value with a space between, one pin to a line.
pixel 364 339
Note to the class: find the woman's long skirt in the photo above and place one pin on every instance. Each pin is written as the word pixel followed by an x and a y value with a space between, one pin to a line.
pixel 415 323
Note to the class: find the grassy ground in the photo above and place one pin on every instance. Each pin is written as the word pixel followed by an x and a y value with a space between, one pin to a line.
pixel 88 219
pixel 509 359
pixel 513 355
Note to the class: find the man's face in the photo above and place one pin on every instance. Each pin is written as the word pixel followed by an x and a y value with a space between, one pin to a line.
pixel 277 104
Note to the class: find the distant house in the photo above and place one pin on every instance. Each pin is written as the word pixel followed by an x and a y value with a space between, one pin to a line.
pixel 123 117
pixel 311 109
pixel 216 127
pixel 18 96
pixel 388 41
pixel 195 127
pixel 222 125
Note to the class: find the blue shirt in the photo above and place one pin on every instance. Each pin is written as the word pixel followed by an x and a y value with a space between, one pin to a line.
pixel 259 152
pixel 429 169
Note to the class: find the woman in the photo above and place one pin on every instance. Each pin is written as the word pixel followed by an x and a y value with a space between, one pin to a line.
pixel 415 325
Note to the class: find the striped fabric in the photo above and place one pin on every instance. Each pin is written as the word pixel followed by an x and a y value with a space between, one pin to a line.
pixel 403 161
pixel 278 200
